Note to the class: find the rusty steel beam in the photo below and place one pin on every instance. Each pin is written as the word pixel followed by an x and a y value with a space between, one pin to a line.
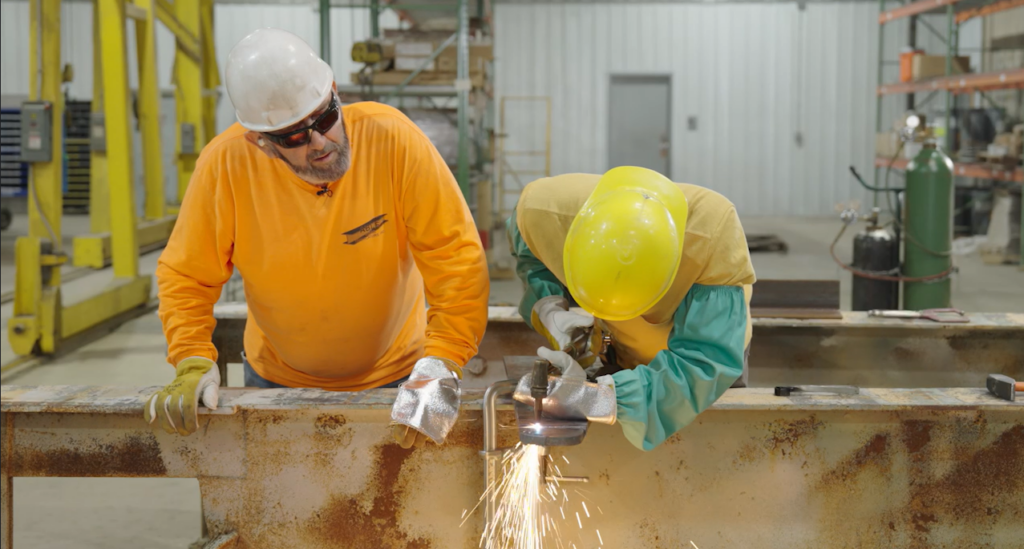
pixel 854 350
pixel 314 469
pixel 6 482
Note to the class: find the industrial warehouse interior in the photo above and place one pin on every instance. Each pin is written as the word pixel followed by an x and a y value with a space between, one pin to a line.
pixel 512 274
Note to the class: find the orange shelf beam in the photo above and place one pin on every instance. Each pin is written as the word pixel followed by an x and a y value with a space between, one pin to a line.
pixel 965 169
pixel 962 83
pixel 989 9
pixel 913 8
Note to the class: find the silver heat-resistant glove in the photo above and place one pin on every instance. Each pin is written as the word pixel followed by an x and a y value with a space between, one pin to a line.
pixel 571 396
pixel 428 403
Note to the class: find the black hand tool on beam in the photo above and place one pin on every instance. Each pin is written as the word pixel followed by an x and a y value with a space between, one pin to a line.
pixel 1004 387
pixel 788 390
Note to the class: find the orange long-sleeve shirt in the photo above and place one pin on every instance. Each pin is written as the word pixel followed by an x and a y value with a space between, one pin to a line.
pixel 335 284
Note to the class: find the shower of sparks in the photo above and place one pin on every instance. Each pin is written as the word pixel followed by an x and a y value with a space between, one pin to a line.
pixel 599 538
pixel 521 502
pixel 694 544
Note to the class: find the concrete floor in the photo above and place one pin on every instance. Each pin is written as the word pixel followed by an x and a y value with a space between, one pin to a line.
pixel 164 513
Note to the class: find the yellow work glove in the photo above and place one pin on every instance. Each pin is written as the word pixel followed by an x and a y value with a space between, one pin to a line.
pixel 428 401
pixel 174 408
pixel 567 331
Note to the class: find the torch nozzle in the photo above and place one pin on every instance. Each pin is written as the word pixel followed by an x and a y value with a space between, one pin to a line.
pixel 539 386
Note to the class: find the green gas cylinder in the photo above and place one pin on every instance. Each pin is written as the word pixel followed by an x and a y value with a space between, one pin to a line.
pixel 928 229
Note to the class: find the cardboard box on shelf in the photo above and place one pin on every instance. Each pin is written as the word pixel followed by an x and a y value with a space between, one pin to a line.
pixel 477 49
pixel 907 64
pixel 414 49
pixel 886 144
pixel 451 64
pixel 414 63
pixel 393 78
pixel 931 66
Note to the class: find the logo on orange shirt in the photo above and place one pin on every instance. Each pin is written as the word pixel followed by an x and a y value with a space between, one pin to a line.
pixel 369 229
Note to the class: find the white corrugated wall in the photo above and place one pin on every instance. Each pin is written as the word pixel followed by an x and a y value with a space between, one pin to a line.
pixel 754 75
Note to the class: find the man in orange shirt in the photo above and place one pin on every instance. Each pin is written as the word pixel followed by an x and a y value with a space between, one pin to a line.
pixel 344 223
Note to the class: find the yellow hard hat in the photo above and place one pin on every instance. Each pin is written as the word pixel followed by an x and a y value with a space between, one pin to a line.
pixel 623 249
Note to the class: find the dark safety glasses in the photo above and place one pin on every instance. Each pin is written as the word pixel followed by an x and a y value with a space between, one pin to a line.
pixel 301 136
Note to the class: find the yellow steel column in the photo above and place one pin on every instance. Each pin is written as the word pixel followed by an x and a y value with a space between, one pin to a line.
pixel 37 256
pixel 99 191
pixel 124 244
pixel 149 110
pixel 211 77
pixel 45 78
pixel 188 98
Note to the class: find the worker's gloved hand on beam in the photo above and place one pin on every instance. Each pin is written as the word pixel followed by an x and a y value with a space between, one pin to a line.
pixel 570 395
pixel 428 403
pixel 567 330
pixel 174 408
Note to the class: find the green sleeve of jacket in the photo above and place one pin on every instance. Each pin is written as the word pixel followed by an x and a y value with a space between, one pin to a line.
pixel 538 281
pixel 704 357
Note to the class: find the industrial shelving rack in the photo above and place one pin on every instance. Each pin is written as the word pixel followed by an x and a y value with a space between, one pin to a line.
pixel 479 109
pixel 957 12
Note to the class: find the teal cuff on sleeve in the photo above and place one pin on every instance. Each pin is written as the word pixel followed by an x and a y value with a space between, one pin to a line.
pixel 704 357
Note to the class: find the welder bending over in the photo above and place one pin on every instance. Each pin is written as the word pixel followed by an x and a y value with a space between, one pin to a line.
pixel 665 270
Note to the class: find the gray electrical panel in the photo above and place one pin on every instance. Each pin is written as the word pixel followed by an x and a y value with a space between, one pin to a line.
pixel 188 138
pixel 97 132
pixel 36 131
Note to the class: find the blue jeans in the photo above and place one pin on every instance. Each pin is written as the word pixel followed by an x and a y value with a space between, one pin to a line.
pixel 252 379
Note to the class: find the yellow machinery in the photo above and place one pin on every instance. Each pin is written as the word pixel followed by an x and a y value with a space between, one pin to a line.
pixel 196 77
pixel 40 319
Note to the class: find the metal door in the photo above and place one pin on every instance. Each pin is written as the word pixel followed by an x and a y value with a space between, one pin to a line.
pixel 639 130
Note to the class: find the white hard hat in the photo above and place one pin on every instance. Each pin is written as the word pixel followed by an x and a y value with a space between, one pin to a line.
pixel 274 80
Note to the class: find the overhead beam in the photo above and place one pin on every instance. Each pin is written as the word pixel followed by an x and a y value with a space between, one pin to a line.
pixel 132 11
pixel 187 41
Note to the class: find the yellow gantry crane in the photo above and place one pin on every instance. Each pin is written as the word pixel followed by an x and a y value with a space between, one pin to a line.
pixel 41 320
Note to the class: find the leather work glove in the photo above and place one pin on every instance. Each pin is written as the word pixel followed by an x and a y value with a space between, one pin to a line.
pixel 174 408
pixel 428 403
pixel 565 330
pixel 571 396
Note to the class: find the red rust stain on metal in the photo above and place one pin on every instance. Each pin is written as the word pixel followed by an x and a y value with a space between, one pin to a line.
pixel 344 523
pixel 466 434
pixel 903 354
pixel 263 417
pixel 873 452
pixel 980 490
pixel 131 456
pixel 648 532
pixel 921 521
pixel 784 437
pixel 917 434
pixel 327 424
pixel 788 433
pixel 977 497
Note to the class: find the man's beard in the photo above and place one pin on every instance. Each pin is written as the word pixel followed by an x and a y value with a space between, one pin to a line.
pixel 312 173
